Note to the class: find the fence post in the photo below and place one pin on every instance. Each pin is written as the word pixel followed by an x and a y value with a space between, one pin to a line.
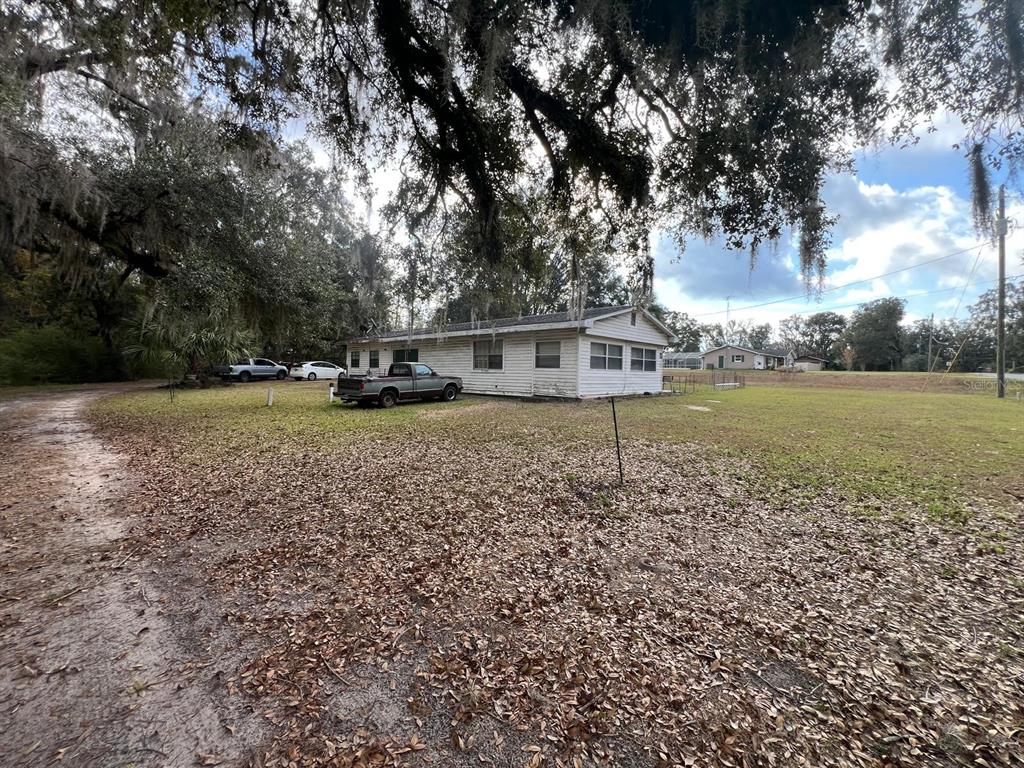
pixel 330 393
pixel 270 396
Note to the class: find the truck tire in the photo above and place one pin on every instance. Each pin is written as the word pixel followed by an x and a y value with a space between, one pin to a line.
pixel 450 393
pixel 281 375
pixel 244 376
pixel 388 398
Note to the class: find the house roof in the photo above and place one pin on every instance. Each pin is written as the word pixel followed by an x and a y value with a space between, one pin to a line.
pixel 551 320
pixel 812 357
pixel 770 351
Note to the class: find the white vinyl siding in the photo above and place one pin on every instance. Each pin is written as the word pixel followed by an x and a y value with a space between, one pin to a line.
pixel 518 376
pixel 595 382
pixel 619 327
pixel 525 351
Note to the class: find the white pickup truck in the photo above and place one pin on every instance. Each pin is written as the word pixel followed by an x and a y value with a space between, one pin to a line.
pixel 251 368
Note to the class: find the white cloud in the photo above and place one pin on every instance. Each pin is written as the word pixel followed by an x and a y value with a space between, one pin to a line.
pixel 923 234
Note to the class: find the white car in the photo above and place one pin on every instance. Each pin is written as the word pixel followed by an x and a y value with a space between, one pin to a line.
pixel 315 369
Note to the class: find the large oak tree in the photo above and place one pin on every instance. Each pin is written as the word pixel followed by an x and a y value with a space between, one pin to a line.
pixel 701 117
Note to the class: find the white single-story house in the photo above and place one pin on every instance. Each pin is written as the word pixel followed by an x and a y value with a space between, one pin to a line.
pixel 693 361
pixel 732 356
pixel 605 351
pixel 809 363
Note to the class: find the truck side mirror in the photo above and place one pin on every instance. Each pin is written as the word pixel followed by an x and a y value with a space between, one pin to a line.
pixel 433 373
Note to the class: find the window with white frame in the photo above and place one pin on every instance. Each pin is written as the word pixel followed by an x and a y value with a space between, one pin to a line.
pixel 488 355
pixel 738 358
pixel 605 356
pixel 375 358
pixel 355 359
pixel 643 359
pixel 548 354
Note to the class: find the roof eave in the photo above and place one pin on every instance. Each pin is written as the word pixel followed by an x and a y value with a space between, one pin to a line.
pixel 524 328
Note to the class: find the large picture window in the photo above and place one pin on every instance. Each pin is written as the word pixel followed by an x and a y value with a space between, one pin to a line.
pixel 605 356
pixel 488 355
pixel 642 359
pixel 548 354
pixel 407 355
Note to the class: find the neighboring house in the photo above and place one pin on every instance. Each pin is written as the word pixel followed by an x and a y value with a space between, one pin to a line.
pixel 809 363
pixel 607 351
pixel 691 360
pixel 732 356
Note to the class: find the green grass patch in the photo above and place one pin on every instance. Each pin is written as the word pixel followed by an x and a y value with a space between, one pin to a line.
pixel 943 452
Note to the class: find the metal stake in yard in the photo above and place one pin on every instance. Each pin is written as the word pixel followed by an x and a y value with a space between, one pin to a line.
pixel 618 449
pixel 270 396
pixel 1001 303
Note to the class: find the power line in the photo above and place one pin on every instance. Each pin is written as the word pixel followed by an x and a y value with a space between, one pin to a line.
pixel 968 278
pixel 908 297
pixel 848 285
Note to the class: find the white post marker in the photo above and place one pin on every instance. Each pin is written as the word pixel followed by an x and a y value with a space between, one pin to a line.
pixel 330 393
pixel 270 396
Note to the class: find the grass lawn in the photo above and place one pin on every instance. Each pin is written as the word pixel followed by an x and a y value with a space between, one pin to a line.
pixel 945 453
pixel 790 575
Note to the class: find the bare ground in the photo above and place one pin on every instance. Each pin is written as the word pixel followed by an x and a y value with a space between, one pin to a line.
pixel 474 593
pixel 104 659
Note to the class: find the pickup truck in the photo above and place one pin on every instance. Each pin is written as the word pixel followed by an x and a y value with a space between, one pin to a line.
pixel 405 381
pixel 251 368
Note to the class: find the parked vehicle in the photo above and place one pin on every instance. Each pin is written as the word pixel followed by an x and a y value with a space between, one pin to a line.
pixel 405 381
pixel 316 369
pixel 251 368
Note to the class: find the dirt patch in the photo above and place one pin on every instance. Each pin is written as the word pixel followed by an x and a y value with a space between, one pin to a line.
pixel 104 659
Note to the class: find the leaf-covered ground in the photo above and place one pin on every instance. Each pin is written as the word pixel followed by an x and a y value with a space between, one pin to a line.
pixel 466 584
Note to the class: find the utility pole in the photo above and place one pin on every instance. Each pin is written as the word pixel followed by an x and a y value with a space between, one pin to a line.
pixel 1001 312
pixel 931 332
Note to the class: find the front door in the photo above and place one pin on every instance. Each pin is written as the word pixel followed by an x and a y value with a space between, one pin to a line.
pixel 721 361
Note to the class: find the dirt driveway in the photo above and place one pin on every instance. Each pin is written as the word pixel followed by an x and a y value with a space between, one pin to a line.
pixel 105 659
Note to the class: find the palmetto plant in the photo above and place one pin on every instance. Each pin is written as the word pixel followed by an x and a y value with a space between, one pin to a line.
pixel 183 345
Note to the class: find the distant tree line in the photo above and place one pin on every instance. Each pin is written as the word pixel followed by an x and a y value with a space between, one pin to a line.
pixel 875 337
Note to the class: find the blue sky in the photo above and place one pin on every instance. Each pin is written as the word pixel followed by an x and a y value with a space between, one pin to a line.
pixel 900 208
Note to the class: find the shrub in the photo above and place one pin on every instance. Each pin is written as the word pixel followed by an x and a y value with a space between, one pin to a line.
pixel 56 354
